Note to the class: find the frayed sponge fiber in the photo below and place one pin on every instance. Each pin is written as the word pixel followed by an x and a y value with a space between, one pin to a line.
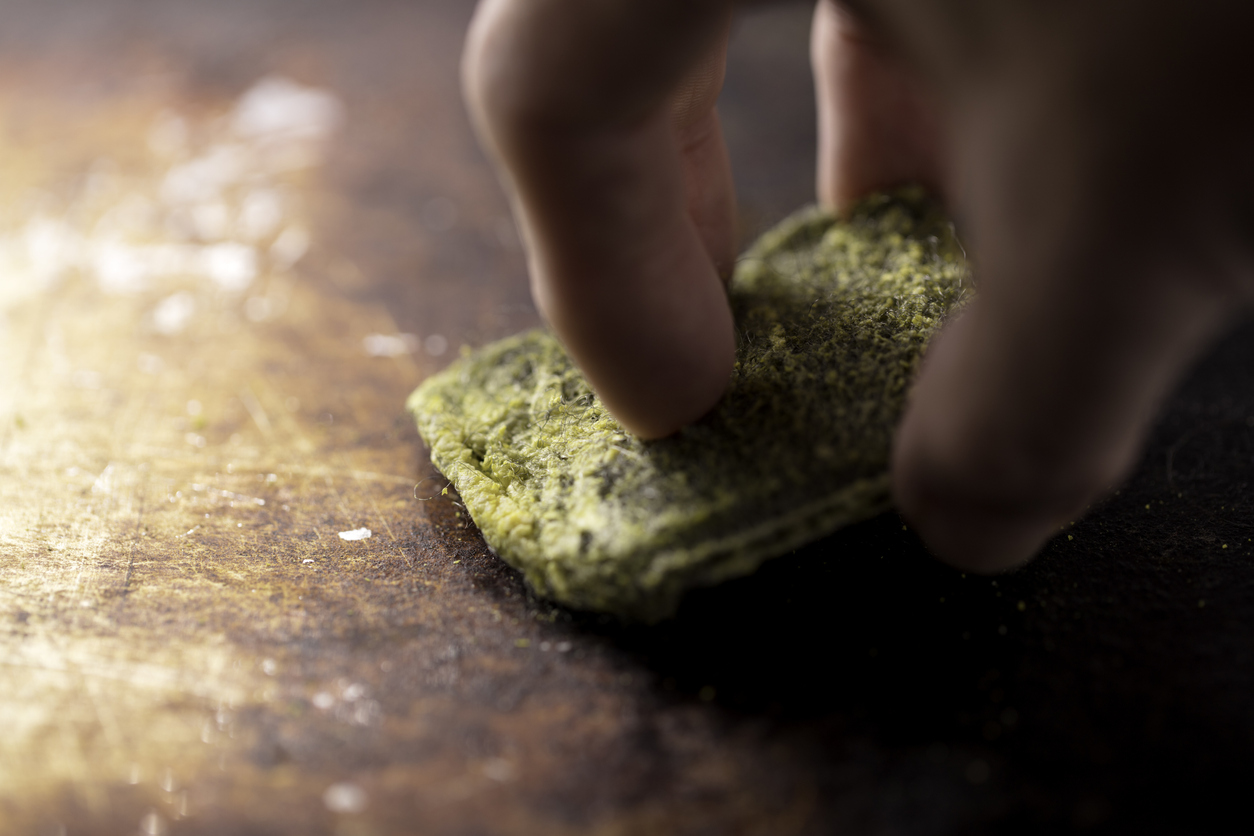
pixel 832 318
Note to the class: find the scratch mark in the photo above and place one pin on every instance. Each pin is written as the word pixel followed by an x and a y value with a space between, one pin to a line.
pixel 257 411
pixel 130 562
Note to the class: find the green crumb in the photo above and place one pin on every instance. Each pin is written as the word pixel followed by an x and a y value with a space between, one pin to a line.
pixel 832 317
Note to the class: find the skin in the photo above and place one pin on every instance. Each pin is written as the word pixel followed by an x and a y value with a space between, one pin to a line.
pixel 1096 154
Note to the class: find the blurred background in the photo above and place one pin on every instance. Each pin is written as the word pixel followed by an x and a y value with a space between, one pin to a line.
pixel 233 599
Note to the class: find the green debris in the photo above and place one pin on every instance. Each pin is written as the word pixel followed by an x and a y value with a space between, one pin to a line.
pixel 832 316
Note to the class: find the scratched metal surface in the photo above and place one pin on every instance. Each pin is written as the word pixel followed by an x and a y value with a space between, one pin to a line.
pixel 209 319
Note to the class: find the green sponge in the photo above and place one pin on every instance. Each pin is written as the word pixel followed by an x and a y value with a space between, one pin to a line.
pixel 832 319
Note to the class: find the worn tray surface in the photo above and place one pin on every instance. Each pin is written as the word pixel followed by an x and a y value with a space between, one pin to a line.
pixel 250 672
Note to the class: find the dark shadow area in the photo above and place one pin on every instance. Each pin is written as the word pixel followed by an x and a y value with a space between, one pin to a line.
pixel 1108 683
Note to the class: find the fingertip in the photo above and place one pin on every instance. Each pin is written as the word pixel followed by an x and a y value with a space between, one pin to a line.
pixel 960 533
pixel 971 475
pixel 660 404
pixel 878 123
pixel 957 527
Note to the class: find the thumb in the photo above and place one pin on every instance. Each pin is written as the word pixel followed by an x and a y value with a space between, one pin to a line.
pixel 1035 401
pixel 1017 424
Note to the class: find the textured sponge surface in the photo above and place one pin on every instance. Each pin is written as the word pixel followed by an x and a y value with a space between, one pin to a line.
pixel 832 320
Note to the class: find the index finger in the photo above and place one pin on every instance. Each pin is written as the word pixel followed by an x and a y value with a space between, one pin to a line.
pixel 573 99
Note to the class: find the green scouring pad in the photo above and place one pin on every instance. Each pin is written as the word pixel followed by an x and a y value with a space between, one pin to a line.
pixel 832 319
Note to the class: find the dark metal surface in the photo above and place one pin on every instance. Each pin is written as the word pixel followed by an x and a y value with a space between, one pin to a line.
pixel 176 657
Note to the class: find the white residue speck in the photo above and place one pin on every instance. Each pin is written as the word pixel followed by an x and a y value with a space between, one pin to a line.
pixel 344 798
pixel 153 824
pixel 279 108
pixel 290 247
pixel 355 534
pixel 220 211
pixel 389 345
pixel 436 344
pixel 173 313
pixel 233 266
pixel 260 214
pixel 104 482
pixel 499 769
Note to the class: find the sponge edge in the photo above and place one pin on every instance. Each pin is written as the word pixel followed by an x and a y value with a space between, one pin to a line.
pixel 832 319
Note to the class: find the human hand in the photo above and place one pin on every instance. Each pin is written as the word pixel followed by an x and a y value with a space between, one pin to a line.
pixel 1104 220
pixel 600 116
pixel 1101 175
